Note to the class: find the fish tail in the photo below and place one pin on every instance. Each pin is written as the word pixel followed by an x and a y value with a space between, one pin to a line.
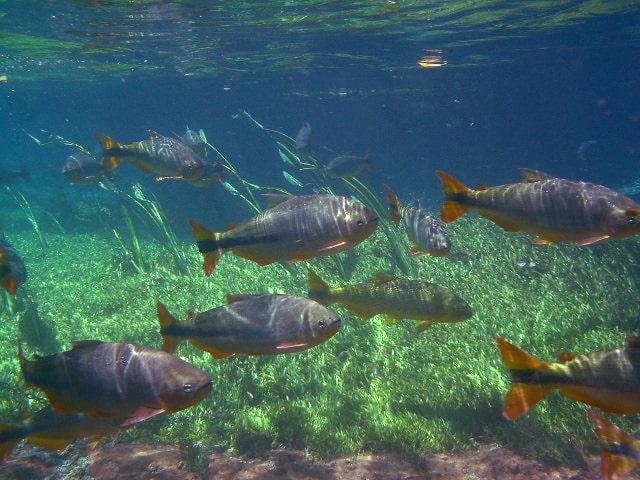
pixel 7 446
pixel 454 191
pixel 393 205
pixel 522 396
pixel 207 245
pixel 617 452
pixel 318 289
pixel 166 320
pixel 108 144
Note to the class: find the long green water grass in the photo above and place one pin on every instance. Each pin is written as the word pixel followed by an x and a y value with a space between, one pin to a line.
pixel 373 386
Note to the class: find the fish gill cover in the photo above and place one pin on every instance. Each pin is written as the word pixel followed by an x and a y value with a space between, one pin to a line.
pixel 246 79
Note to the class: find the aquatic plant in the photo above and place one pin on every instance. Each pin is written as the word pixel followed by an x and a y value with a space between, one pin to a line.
pixel 249 188
pixel 307 163
pixel 26 209
pixel 37 332
pixel 149 209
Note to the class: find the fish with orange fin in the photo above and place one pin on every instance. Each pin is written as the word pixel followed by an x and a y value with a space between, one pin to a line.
pixel 396 298
pixel 293 228
pixel 620 451
pixel 554 209
pixel 252 325
pixel 13 271
pixel 609 379
pixel 55 431
pixel 423 229
pixel 165 156
pixel 106 380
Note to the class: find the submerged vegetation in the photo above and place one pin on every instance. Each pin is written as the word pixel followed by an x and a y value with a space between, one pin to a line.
pixel 373 386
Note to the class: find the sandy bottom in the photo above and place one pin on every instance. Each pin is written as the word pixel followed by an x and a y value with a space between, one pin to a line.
pixel 162 462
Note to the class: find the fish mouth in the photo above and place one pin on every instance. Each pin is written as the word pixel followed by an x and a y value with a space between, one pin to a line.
pixel 334 325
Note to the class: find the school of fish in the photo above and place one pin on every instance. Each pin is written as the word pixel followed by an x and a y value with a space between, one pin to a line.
pixel 99 387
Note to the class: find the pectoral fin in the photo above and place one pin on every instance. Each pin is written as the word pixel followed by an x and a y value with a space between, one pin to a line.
pixel 142 414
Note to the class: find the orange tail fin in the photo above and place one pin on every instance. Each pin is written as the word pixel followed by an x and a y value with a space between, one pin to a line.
pixel 453 190
pixel 617 448
pixel 208 245
pixel 393 205
pixel 522 396
pixel 109 162
pixel 166 320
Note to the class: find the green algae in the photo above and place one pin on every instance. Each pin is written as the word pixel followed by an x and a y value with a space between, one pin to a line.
pixel 373 386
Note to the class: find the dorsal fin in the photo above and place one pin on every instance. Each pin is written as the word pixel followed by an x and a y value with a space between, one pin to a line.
pixel 633 342
pixel 236 297
pixel 153 134
pixel 86 343
pixel 382 277
pixel 530 175
pixel 566 357
pixel 274 199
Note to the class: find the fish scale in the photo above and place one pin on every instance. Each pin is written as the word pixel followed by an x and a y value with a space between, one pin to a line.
pixel 554 209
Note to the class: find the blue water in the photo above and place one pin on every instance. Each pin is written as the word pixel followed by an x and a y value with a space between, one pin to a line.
pixel 508 97
pixel 553 86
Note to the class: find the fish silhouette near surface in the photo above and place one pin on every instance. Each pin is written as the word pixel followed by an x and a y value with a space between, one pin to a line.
pixel 83 169
pixel 165 156
pixel 13 271
pixel 9 177
pixel 554 209
pixel 620 452
pixel 252 325
pixel 395 298
pixel 192 139
pixel 303 137
pixel 294 228
pixel 609 380
pixel 55 431
pixel 105 380
pixel 345 166
pixel 422 228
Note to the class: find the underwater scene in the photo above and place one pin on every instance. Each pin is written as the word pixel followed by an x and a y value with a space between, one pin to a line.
pixel 302 239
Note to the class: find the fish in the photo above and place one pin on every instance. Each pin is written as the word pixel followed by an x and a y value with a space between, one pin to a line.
pixel 165 156
pixel 303 137
pixel 293 228
pixel 52 430
pixel 83 169
pixel 422 228
pixel 13 271
pixel 193 140
pixel 586 150
pixel 212 172
pixel 554 209
pixel 620 452
pixel 106 380
pixel 346 166
pixel 396 298
pixel 609 379
pixel 252 325
pixel 9 177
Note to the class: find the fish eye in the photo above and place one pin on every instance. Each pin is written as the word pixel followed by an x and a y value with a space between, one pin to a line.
pixel 360 222
pixel 632 220
pixel 322 324
pixel 187 387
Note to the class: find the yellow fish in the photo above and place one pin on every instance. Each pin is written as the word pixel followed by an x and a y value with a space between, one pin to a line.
pixel 609 380
pixel 394 297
